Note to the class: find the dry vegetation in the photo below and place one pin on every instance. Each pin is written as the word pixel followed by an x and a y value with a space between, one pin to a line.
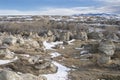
pixel 17 25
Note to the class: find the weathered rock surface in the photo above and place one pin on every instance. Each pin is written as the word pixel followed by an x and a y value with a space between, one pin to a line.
pixel 95 35
pixel 112 36
pixel 49 33
pixel 59 46
pixel 65 36
pixel 91 47
pixel 11 40
pixel 20 41
pixel 10 75
pixel 107 47
pixel 6 53
pixel 81 36
pixel 103 60
pixel 32 77
pixel 34 59
pixel 34 65
pixel 30 43
pixel 84 36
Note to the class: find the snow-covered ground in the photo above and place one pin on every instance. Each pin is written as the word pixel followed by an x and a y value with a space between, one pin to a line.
pixel 55 54
pixel 61 73
pixel 51 44
pixel 91 29
pixel 7 61
pixel 79 48
pixel 71 41
pixel 25 55
pixel 84 52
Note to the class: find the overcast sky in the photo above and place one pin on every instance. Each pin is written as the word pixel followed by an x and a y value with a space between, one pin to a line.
pixel 58 7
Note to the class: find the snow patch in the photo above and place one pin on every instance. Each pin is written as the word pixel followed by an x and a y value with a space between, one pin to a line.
pixel 60 75
pixel 84 52
pixel 71 41
pixel 92 29
pixel 51 44
pixel 25 55
pixel 55 54
pixel 7 61
pixel 78 48
pixel 63 47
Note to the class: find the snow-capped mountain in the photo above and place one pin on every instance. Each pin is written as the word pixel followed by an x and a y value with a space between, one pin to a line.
pixel 106 15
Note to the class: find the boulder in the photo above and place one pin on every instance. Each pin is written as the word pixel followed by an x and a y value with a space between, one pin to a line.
pixel 47 68
pixel 42 65
pixel 41 44
pixel 107 47
pixel 34 36
pixel 9 54
pixel 31 43
pixel 91 47
pixel 36 67
pixel 51 38
pixel 11 40
pixel 6 53
pixel 81 35
pixel 103 60
pixel 57 35
pixel 9 75
pixel 112 36
pixel 29 76
pixel 65 36
pixel 25 34
pixel 34 59
pixel 65 42
pixel 20 41
pixel 84 36
pixel 49 33
pixel 95 35
pixel 59 46
pixel 68 35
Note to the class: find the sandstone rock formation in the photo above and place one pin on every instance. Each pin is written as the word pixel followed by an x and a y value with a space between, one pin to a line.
pixel 95 35
pixel 11 40
pixel 107 47
pixel 10 75
pixel 6 53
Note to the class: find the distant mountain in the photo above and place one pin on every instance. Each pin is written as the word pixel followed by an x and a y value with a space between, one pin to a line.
pixel 96 14
pixel 107 15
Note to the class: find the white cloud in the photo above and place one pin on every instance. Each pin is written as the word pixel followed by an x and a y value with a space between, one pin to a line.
pixel 113 8
pixel 17 12
pixel 63 11
pixel 69 11
pixel 110 5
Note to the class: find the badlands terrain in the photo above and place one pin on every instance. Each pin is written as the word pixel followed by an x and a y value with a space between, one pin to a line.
pixel 77 47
